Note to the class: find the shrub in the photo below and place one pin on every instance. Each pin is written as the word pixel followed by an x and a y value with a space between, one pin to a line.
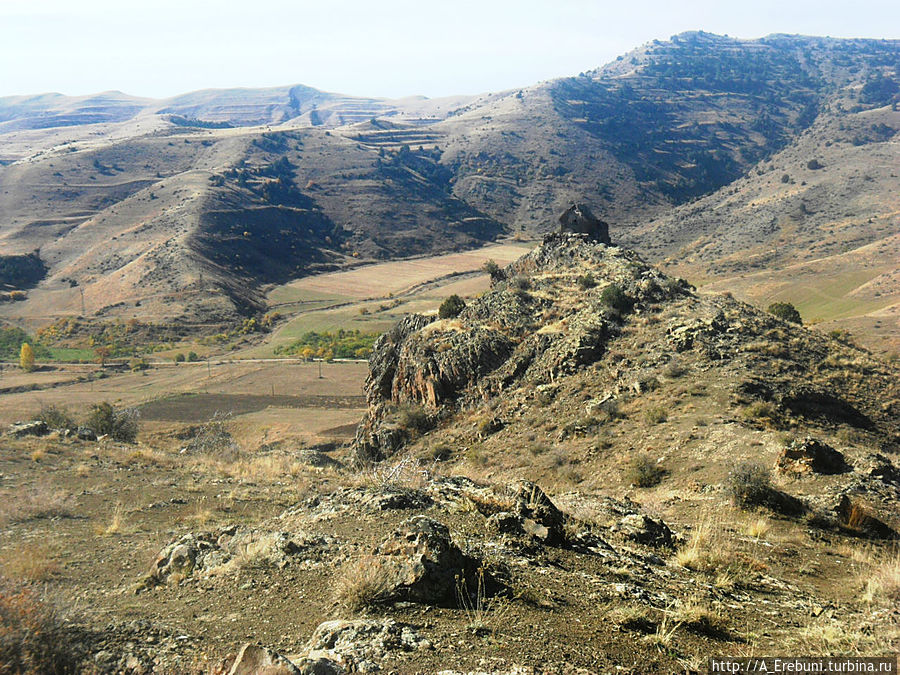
pixel 785 311
pixel 179 358
pixel 814 165
pixel 614 297
pixel 56 418
pixel 785 178
pixel 494 270
pixel 749 484
pixel 656 414
pixel 586 281
pixel 451 307
pixel 643 471
pixel 192 356
pixel 33 637
pixel 120 425
pixel 413 418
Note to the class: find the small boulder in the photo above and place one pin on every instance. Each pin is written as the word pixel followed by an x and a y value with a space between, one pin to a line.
pixel 426 560
pixel 256 660
pixel 541 519
pixel 645 530
pixel 856 515
pixel 810 456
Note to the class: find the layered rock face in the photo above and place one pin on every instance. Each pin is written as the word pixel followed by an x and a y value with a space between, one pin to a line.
pixel 552 313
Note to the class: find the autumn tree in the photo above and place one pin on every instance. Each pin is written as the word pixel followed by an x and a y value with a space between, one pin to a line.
pixel 26 357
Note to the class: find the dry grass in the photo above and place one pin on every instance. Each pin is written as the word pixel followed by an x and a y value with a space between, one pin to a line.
pixel 33 637
pixel 707 549
pixel 362 583
pixel 758 528
pixel 882 585
pixel 37 503
pixel 29 563
pixel 116 523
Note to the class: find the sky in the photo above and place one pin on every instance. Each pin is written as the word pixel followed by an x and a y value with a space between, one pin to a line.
pixel 389 48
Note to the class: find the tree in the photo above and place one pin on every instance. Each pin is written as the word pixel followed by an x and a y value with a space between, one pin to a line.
pixel 102 353
pixel 786 311
pixel 26 357
pixel 451 307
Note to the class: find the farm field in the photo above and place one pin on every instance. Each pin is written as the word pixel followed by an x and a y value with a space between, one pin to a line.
pixel 372 298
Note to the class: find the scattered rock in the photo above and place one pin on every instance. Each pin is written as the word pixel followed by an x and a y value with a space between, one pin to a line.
pixel 810 456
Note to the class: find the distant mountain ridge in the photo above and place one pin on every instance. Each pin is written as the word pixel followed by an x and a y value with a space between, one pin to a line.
pixel 171 187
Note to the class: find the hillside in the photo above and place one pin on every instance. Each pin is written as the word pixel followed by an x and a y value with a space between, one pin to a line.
pixel 190 209
pixel 591 468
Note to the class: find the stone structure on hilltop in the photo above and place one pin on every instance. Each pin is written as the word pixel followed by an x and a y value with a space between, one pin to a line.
pixel 578 219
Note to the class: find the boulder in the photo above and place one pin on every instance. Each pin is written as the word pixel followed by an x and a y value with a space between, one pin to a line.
pixel 578 219
pixel 854 514
pixel 645 530
pixel 540 517
pixel 426 561
pixel 256 660
pixel 360 641
pixel 810 456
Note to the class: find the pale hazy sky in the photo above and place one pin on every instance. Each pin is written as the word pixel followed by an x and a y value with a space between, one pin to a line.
pixel 377 47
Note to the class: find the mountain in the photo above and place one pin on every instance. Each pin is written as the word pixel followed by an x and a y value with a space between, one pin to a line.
pixel 193 205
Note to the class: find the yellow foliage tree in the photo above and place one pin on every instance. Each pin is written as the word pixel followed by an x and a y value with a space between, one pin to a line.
pixel 26 357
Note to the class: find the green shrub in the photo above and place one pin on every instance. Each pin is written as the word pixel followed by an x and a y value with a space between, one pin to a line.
pixel 120 425
pixel 614 297
pixel 749 484
pixel 192 356
pixel 494 270
pixel 56 418
pixel 179 358
pixel 785 311
pixel 643 471
pixel 586 281
pixel 451 307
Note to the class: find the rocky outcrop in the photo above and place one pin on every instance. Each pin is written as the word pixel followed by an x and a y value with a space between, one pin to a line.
pixel 548 318
pixel 810 456
pixel 578 219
